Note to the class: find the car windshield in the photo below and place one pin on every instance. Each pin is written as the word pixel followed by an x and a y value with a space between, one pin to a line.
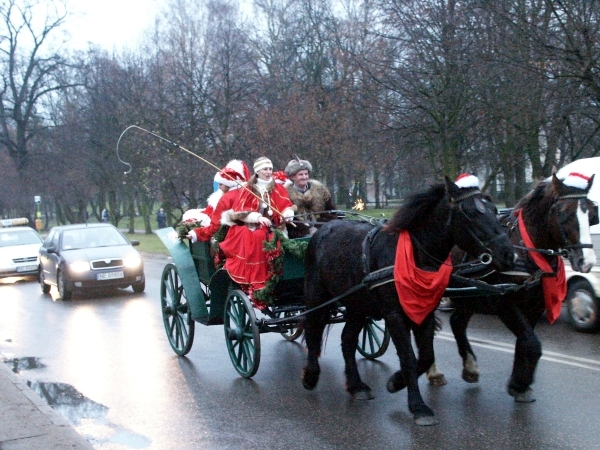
pixel 91 237
pixel 21 237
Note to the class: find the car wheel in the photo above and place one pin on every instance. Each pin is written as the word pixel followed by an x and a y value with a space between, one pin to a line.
pixel 45 287
pixel 139 287
pixel 65 294
pixel 583 307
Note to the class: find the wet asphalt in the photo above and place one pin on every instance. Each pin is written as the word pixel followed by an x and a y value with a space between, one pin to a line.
pixel 103 361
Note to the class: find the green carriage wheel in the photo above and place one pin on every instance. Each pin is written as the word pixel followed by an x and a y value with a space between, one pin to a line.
pixel 176 313
pixel 291 334
pixel 374 339
pixel 241 334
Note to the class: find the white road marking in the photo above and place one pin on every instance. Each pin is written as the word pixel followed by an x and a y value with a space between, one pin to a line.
pixel 561 358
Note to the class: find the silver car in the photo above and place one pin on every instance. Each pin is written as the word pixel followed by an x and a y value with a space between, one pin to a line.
pixel 77 258
pixel 19 248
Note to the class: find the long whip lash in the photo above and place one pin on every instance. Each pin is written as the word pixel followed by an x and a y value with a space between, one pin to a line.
pixel 174 144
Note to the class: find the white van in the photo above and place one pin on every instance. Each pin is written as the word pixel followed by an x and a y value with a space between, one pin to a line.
pixel 583 295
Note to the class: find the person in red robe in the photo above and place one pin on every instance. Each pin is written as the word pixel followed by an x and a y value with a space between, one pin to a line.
pixel 232 177
pixel 261 205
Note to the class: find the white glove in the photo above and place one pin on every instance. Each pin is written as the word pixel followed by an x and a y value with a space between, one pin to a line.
pixel 288 215
pixel 192 236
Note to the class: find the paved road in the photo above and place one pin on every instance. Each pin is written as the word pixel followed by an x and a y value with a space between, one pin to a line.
pixel 106 363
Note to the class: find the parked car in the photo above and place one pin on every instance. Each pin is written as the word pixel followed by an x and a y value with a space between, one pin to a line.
pixel 583 289
pixel 84 257
pixel 19 249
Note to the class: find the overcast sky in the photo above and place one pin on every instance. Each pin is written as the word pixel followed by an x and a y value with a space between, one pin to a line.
pixel 110 23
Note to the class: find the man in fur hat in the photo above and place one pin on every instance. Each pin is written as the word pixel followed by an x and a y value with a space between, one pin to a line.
pixel 309 196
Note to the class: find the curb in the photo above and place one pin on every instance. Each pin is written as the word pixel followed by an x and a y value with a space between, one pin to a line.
pixel 66 433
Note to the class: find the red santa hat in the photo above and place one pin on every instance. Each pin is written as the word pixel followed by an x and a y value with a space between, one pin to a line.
pixel 234 173
pixel 279 177
pixel 577 180
pixel 466 180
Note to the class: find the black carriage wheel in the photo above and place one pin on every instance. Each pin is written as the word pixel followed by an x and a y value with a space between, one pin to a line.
pixel 374 339
pixel 291 334
pixel 241 334
pixel 177 317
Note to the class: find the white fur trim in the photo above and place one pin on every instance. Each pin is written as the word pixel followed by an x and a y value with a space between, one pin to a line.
pixel 288 213
pixel 204 220
pixel 222 180
pixel 577 180
pixel 226 218
pixel 214 198
pixel 194 215
pixel 467 181
pixel 237 165
pixel 252 217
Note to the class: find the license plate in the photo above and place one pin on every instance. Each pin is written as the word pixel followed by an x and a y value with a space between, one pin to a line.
pixel 26 268
pixel 110 275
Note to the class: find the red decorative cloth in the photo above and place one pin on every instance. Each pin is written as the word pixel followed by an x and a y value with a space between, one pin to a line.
pixel 555 286
pixel 419 291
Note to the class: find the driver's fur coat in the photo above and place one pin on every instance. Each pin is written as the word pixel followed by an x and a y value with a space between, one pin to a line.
pixel 316 198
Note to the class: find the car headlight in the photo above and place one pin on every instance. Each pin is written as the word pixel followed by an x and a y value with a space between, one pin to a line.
pixel 133 261
pixel 79 266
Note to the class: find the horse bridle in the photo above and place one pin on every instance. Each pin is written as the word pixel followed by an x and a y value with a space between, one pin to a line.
pixel 456 204
pixel 567 250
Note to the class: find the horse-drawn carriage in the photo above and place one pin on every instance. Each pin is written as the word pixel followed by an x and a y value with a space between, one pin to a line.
pixel 362 287
pixel 194 290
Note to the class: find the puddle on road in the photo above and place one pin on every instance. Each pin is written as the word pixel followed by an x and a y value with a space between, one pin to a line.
pixel 85 415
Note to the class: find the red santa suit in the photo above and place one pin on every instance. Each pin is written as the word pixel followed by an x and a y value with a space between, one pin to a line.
pixel 233 175
pixel 243 247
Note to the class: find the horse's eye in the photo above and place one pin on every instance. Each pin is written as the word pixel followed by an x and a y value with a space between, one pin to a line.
pixel 479 205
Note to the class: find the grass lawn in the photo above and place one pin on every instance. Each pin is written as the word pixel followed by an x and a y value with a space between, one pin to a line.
pixel 150 243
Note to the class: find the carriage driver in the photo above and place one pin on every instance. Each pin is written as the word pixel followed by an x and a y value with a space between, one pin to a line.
pixel 309 196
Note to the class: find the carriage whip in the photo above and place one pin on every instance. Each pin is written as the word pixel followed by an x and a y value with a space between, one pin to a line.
pixel 176 145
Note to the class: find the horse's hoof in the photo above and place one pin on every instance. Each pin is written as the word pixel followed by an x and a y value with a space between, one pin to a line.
pixel 426 421
pixel 309 381
pixel 437 380
pixel 470 377
pixel 363 395
pixel 522 397
pixel 395 383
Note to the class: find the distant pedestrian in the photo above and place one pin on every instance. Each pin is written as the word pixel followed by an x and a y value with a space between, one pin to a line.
pixel 161 218
pixel 104 215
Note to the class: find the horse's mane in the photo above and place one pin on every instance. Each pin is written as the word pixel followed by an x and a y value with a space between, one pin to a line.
pixel 416 208
pixel 532 203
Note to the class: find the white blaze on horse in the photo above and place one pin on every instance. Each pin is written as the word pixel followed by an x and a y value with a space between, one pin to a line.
pixel 551 222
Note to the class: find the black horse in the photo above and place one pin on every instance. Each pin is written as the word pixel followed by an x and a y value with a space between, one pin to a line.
pixel 342 253
pixel 557 218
